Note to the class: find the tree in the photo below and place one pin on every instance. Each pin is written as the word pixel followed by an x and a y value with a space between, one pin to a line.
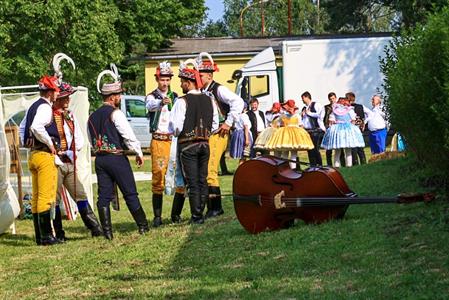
pixel 358 16
pixel 305 17
pixel 93 33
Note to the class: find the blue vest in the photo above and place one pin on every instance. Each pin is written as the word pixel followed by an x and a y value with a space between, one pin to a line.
pixel 29 139
pixel 105 137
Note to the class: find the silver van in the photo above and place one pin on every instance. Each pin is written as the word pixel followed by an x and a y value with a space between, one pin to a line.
pixel 135 111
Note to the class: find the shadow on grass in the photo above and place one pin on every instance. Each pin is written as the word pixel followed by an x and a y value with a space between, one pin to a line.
pixel 17 240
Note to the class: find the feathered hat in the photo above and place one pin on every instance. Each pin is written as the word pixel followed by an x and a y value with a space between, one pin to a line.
pixel 206 65
pixel 65 88
pixel 190 73
pixel 110 88
pixel 164 69
pixel 47 83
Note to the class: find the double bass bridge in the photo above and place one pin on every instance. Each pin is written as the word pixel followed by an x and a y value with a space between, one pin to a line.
pixel 278 204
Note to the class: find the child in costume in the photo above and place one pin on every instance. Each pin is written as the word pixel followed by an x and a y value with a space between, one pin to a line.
pixel 290 136
pixel 342 133
pixel 271 117
pixel 241 138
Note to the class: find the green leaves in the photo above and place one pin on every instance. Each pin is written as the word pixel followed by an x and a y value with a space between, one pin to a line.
pixel 93 33
pixel 417 80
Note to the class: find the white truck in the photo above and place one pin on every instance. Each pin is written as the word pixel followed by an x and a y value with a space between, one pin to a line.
pixel 136 113
pixel 319 65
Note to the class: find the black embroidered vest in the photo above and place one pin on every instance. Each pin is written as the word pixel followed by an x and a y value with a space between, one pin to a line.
pixel 105 137
pixel 198 121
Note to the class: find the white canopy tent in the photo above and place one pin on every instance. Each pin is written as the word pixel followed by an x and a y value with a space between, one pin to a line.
pixel 20 98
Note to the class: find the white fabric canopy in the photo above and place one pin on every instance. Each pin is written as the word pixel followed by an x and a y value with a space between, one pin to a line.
pixel 20 99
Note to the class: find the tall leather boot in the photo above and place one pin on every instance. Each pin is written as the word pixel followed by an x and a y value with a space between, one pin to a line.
pixel 37 232
pixel 214 208
pixel 57 225
pixel 178 204
pixel 104 213
pixel 90 220
pixel 196 207
pixel 157 210
pixel 46 232
pixel 141 220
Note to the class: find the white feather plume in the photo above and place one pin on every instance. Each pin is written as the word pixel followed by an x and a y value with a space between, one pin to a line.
pixel 106 72
pixel 199 58
pixel 57 64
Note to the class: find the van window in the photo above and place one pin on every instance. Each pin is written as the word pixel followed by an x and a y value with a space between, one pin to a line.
pixel 135 108
pixel 255 86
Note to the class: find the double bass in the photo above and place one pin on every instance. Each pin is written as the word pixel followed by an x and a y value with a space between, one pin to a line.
pixel 269 195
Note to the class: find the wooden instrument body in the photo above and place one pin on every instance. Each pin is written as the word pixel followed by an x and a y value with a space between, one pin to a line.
pixel 265 177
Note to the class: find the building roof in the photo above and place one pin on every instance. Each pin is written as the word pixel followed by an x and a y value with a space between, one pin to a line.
pixel 185 47
pixel 225 46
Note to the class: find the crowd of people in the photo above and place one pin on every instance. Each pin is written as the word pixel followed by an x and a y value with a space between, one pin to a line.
pixel 336 127
pixel 190 134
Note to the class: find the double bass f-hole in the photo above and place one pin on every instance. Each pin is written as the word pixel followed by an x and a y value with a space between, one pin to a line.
pixel 279 181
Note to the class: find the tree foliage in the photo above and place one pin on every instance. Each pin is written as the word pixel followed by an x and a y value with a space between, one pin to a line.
pixel 93 33
pixel 325 16
pixel 305 17
pixel 417 85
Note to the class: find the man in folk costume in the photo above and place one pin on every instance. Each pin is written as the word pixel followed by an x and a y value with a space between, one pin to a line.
pixel 194 117
pixel 71 142
pixel 230 106
pixel 159 103
pixel 315 127
pixel 110 135
pixel 258 122
pixel 39 132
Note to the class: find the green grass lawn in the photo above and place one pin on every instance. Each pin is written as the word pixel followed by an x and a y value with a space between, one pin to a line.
pixel 381 251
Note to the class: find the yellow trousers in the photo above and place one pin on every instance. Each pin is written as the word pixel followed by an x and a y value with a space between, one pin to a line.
pixel 160 154
pixel 44 174
pixel 217 146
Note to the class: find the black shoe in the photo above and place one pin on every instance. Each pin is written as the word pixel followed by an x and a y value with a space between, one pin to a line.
pixel 46 232
pixel 157 209
pixel 157 221
pixel 57 226
pixel 196 209
pixel 91 221
pixel 105 219
pixel 37 232
pixel 141 220
pixel 194 220
pixel 178 204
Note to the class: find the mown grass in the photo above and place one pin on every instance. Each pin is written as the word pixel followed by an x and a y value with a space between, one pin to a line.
pixel 382 251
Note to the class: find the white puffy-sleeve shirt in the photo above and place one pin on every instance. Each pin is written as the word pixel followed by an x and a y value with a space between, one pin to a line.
pixel 178 115
pixel 234 101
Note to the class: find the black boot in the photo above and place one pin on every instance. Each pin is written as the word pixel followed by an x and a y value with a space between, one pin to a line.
pixel 46 232
pixel 37 232
pixel 141 220
pixel 157 210
pixel 196 208
pixel 91 221
pixel 57 225
pixel 214 208
pixel 178 204
pixel 105 219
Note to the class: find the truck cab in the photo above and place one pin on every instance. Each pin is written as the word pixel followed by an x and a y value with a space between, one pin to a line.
pixel 136 113
pixel 259 79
